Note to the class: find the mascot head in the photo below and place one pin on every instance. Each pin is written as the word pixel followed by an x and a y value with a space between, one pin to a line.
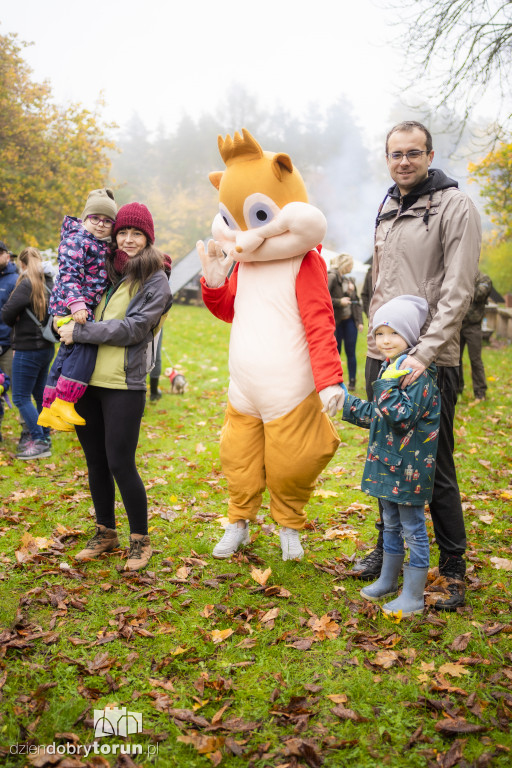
pixel 264 214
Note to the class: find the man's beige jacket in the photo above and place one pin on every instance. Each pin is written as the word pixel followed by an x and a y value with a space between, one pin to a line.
pixel 435 257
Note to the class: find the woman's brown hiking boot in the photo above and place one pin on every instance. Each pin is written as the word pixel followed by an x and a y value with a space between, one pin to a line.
pixel 104 540
pixel 140 552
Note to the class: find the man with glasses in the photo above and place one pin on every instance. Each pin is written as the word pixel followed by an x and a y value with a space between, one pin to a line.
pixel 427 243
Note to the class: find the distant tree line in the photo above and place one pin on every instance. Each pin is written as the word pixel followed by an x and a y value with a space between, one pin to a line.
pixel 169 170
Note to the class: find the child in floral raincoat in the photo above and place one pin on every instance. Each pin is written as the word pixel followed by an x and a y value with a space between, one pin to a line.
pixel 401 460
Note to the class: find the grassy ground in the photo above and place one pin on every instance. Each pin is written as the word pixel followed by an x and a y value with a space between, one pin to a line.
pixel 250 661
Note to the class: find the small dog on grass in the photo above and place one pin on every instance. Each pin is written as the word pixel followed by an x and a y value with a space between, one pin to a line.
pixel 177 379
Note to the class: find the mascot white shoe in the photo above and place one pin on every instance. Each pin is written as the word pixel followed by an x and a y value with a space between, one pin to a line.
pixel 285 371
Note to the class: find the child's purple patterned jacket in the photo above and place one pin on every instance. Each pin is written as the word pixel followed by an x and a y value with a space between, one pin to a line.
pixel 82 275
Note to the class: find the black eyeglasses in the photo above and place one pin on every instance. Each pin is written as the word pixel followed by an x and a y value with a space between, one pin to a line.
pixel 413 154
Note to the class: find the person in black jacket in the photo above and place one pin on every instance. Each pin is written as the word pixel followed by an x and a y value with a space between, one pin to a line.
pixel 8 277
pixel 33 353
pixel 471 334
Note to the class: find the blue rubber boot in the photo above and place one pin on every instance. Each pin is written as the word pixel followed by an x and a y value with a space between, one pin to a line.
pixel 410 601
pixel 387 583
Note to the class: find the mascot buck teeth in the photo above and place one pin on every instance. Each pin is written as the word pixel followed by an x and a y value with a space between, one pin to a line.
pixel 283 361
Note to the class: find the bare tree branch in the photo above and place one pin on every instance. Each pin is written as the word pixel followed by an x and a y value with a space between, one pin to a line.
pixel 460 51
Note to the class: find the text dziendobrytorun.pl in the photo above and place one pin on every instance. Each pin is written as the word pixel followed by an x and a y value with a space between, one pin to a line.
pixel 83 749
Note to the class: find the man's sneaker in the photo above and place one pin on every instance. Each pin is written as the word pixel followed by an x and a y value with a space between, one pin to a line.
pixel 369 568
pixel 140 552
pixel 104 540
pixel 453 568
pixel 234 537
pixel 290 544
pixel 35 449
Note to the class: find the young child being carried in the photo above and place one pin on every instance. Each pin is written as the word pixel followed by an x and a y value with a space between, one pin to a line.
pixel 79 286
pixel 401 460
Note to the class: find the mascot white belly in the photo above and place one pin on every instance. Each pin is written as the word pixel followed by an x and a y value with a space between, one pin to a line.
pixel 269 363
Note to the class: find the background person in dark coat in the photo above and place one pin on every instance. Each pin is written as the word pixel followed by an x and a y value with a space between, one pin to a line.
pixel 348 314
pixel 471 334
pixel 8 277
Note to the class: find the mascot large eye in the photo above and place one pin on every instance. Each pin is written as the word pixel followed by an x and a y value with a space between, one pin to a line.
pixel 259 210
pixel 227 218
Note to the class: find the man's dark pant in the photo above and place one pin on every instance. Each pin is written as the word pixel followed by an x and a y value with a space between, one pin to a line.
pixel 157 370
pixel 472 336
pixel 445 507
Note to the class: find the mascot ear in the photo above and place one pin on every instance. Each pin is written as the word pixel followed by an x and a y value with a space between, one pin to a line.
pixel 280 163
pixel 215 178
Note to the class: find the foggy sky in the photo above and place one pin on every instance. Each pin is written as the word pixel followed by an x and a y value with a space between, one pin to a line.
pixel 163 58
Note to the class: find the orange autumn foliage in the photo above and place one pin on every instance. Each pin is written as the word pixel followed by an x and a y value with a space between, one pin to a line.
pixel 50 156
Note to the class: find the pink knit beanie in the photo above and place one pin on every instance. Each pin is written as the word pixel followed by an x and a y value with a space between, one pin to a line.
pixel 138 216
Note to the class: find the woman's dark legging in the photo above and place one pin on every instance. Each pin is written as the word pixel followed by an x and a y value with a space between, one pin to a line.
pixel 109 441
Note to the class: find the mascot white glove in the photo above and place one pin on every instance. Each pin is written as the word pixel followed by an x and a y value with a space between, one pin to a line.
pixel 215 264
pixel 333 398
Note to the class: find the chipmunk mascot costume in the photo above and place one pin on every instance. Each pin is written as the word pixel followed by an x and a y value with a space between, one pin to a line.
pixel 283 361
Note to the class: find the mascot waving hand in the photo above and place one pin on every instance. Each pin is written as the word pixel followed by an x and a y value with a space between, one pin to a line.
pixel 285 371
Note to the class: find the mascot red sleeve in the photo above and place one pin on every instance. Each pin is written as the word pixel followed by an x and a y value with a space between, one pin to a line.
pixel 285 371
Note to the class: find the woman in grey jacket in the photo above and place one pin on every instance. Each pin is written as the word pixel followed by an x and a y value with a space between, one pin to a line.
pixel 25 310
pixel 127 322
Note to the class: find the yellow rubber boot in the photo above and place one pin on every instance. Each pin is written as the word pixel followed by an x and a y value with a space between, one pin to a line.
pixel 67 412
pixel 49 419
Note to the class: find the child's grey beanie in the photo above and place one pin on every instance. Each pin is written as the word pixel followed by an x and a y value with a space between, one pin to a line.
pixel 405 314
pixel 100 201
